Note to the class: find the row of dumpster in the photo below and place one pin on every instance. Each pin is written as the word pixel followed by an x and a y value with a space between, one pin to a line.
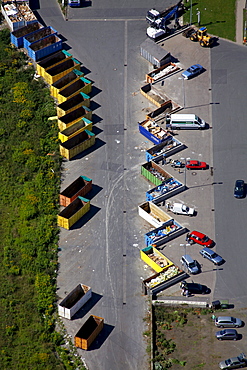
pixel 164 227
pixel 71 90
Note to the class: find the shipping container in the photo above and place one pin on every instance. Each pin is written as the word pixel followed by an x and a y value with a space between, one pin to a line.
pixel 155 259
pixel 77 144
pixel 165 149
pixel 160 114
pixel 38 35
pixel 88 332
pixel 76 128
pixel 44 47
pixel 65 81
pixel 153 214
pixel 52 61
pixel 80 187
pixel 53 74
pixel 154 53
pixel 73 117
pixel 167 189
pixel 81 85
pixel 71 104
pixel 169 230
pixel 74 301
pixel 16 37
pixel 162 72
pixel 153 132
pixel 163 280
pixel 154 95
pixel 73 212
pixel 154 173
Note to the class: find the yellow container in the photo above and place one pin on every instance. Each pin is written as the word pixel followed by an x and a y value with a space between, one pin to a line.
pixel 52 61
pixel 65 81
pixel 71 104
pixel 155 259
pixel 55 73
pixel 76 128
pixel 81 85
pixel 73 212
pixel 73 117
pixel 77 144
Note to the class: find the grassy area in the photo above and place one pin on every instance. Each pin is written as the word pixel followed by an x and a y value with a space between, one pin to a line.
pixel 218 16
pixel 30 183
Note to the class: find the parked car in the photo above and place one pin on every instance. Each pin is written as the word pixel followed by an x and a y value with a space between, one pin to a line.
pixel 192 71
pixel 239 189
pixel 212 256
pixel 199 238
pixel 192 265
pixel 196 165
pixel 228 322
pixel 233 362
pixel 227 334
pixel 195 288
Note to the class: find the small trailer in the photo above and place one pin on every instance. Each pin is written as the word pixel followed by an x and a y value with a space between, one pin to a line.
pixel 80 187
pixel 74 301
pixel 88 332
pixel 180 209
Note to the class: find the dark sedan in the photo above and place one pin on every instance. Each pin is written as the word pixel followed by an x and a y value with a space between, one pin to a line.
pixel 239 189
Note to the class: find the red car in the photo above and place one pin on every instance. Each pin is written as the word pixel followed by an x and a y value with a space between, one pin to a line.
pixel 199 238
pixel 196 165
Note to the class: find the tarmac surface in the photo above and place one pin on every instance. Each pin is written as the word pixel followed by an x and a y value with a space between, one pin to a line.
pixel 102 250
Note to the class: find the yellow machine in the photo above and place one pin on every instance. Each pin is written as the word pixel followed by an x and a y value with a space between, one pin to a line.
pixel 202 36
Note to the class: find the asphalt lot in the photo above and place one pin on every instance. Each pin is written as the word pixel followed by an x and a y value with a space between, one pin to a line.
pixel 102 250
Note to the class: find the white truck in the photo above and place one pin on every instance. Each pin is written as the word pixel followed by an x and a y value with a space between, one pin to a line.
pixel 180 209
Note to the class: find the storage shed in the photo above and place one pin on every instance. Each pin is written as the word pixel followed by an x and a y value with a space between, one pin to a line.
pixel 154 53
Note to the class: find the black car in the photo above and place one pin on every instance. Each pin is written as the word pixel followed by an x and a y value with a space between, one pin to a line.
pixel 195 288
pixel 239 189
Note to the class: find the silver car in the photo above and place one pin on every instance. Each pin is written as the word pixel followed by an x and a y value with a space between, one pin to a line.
pixel 228 322
pixel 233 362
pixel 227 334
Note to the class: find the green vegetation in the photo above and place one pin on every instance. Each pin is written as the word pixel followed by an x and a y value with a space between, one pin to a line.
pixel 166 319
pixel 29 181
pixel 218 16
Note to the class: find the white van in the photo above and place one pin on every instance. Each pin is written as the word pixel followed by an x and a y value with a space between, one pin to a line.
pixel 185 121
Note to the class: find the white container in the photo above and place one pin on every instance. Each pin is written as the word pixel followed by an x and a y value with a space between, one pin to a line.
pixel 74 301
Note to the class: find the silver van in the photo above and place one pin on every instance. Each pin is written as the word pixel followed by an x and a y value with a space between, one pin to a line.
pixel 228 322
pixel 190 263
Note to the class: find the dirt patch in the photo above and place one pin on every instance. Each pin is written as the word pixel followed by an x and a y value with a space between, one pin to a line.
pixel 187 335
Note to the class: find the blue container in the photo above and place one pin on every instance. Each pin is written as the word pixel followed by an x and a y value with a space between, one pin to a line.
pixel 156 139
pixel 164 191
pixel 162 234
pixel 38 35
pixel 16 37
pixel 168 147
pixel 44 47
